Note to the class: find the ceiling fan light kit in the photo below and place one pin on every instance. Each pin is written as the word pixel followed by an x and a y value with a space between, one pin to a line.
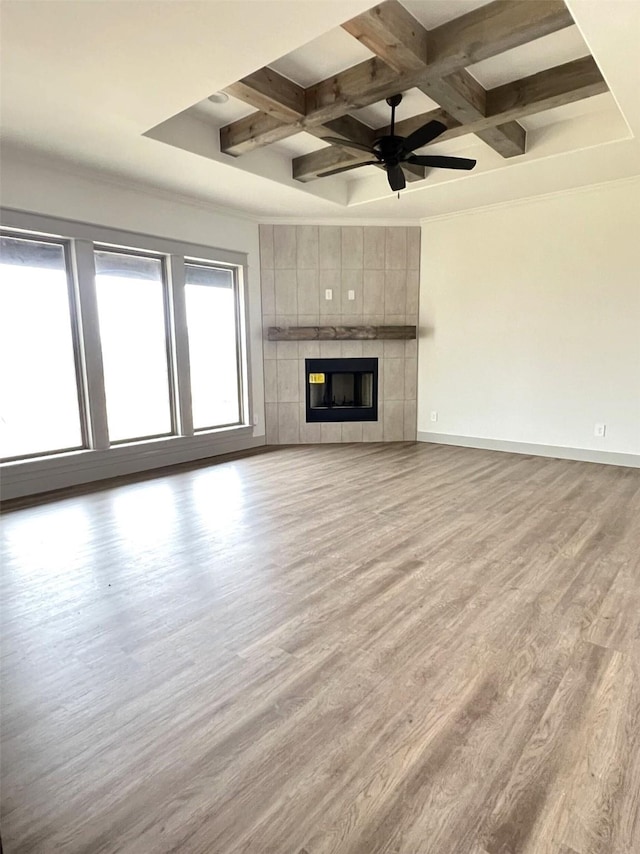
pixel 392 151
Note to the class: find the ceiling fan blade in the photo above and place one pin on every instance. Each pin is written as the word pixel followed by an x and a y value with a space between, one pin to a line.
pixel 441 162
pixel 347 168
pixel 346 143
pixel 423 135
pixel 397 181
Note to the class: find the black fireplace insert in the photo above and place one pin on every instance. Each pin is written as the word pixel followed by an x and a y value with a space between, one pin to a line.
pixel 341 389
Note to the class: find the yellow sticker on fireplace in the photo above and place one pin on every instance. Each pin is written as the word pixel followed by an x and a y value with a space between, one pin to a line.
pixel 315 379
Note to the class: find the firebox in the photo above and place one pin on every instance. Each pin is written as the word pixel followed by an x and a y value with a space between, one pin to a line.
pixel 341 389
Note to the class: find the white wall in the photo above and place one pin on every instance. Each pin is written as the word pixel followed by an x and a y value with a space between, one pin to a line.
pixel 38 186
pixel 530 325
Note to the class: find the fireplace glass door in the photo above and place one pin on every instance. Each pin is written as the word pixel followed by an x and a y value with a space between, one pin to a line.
pixel 342 389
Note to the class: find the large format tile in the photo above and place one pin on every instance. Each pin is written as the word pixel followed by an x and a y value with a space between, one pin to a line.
pixel 352 247
pixel 331 432
pixel 271 381
pixel 289 423
pixel 395 248
pixel 288 380
pixel 286 291
pixel 268 290
pixel 330 247
pixel 352 283
pixel 395 292
pixel 330 280
pixel 284 247
pixel 373 292
pixel 374 243
pixel 393 376
pixel 308 294
pixel 307 246
pixel 393 420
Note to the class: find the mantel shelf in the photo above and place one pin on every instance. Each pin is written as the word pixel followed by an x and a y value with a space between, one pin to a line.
pixel 341 333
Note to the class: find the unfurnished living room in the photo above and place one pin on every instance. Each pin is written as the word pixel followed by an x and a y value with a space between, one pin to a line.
pixel 320 427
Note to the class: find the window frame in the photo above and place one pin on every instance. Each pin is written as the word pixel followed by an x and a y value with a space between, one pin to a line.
pixel 80 241
pixel 76 342
pixel 239 348
pixel 172 378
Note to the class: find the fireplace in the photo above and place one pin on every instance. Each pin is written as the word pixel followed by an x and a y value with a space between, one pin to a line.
pixel 341 389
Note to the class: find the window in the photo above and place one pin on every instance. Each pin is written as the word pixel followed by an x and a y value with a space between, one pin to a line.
pixel 131 296
pixel 212 323
pixel 107 343
pixel 40 384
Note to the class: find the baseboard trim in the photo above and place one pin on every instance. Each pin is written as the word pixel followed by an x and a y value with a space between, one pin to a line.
pixel 586 455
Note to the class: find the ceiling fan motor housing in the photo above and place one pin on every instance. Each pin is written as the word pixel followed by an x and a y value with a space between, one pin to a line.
pixel 389 149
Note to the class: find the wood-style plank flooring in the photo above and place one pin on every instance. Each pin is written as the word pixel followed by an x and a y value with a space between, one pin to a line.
pixel 364 649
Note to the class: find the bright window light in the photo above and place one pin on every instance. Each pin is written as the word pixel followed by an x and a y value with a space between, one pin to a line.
pixel 210 295
pixel 133 331
pixel 39 404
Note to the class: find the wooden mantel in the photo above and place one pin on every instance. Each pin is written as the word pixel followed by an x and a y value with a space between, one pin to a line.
pixel 341 333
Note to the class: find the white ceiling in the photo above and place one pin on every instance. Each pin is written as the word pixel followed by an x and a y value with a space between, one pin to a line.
pixel 83 82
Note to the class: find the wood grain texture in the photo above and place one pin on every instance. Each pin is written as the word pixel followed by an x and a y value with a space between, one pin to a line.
pixel 393 34
pixel 342 333
pixel 336 649
pixel 269 91
pixel 465 99
pixel 504 105
pixel 469 38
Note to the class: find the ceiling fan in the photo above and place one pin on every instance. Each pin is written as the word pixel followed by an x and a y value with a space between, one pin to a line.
pixel 391 151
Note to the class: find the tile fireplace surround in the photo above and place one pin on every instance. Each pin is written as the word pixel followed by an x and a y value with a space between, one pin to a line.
pixel 381 266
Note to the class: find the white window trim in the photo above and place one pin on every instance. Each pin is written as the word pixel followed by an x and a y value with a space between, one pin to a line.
pixel 55 471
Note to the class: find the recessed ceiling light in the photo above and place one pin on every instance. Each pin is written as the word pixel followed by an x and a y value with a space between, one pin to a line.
pixel 219 98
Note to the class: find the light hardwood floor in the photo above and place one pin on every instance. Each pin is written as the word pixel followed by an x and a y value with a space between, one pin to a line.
pixel 369 649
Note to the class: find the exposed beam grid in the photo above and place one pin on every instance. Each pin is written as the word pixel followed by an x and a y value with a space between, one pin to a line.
pixel 485 32
pixel 555 87
pixel 393 35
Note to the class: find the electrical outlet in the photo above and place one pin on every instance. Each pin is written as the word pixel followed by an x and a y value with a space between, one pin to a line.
pixel 599 430
pixel 351 294
pixel 328 294
pixel 434 415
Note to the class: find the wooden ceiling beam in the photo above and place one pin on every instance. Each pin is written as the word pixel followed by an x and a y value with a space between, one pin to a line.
pixel 554 87
pixel 493 29
pixel 347 128
pixel 393 34
pixel 465 99
pixel 485 32
pixel 271 93
pixel 255 90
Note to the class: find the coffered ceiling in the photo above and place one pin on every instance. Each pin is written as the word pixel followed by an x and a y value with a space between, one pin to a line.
pixel 542 94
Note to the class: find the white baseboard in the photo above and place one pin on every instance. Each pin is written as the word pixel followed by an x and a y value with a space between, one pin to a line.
pixel 586 455
pixel 31 477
